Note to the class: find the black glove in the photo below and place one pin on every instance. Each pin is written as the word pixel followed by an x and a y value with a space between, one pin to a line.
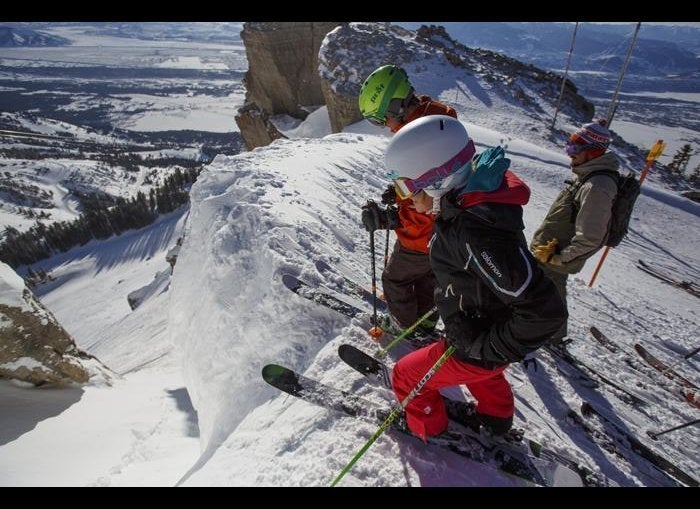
pixel 373 218
pixel 392 218
pixel 376 218
pixel 461 330
pixel 389 195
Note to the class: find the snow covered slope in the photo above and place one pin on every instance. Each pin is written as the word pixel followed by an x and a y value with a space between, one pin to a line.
pixel 281 208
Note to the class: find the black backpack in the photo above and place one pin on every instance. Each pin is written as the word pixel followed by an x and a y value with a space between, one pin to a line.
pixel 628 188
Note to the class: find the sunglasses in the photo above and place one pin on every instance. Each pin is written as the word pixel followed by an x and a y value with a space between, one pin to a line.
pixel 573 148
pixel 432 178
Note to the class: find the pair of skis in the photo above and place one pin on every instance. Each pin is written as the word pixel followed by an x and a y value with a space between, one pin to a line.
pixel 685 389
pixel 689 286
pixel 551 470
pixel 514 454
pixel 321 295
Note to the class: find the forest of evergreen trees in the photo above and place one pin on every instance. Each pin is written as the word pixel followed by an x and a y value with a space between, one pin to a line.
pixel 100 220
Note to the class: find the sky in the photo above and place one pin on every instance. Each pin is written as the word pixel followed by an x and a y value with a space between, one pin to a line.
pixel 187 405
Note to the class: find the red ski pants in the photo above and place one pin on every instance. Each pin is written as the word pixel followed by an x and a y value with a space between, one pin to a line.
pixel 426 414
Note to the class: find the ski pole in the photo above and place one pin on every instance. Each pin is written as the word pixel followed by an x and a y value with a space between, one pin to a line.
pixel 654 153
pixel 654 435
pixel 406 332
pixel 395 413
pixel 386 248
pixel 375 331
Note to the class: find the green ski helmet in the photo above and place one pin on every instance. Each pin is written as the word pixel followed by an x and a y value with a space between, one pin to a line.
pixel 384 84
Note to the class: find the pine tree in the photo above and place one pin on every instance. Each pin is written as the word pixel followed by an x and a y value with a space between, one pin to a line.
pixel 694 178
pixel 680 161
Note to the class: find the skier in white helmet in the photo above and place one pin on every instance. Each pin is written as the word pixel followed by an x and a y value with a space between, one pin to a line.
pixel 495 301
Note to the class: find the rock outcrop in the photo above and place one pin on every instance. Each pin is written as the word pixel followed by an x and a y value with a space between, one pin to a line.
pixel 282 75
pixel 282 72
pixel 257 130
pixel 350 52
pixel 33 346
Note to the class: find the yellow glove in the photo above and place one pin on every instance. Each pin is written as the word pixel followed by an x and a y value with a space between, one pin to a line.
pixel 545 252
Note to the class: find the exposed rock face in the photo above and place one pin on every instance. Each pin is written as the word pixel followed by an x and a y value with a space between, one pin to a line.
pixel 33 345
pixel 282 76
pixel 342 107
pixel 283 65
pixel 350 52
pixel 256 128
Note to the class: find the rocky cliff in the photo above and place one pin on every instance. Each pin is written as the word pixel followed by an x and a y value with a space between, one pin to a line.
pixel 257 130
pixel 282 75
pixel 33 346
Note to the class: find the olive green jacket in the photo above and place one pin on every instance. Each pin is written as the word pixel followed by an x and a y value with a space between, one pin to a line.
pixel 580 215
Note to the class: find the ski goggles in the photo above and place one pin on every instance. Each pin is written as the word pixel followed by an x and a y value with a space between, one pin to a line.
pixel 393 109
pixel 433 178
pixel 381 122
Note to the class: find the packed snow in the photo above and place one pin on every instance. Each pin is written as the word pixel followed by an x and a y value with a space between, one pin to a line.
pixel 11 288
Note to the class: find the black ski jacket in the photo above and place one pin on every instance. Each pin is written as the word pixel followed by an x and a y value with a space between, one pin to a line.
pixel 495 301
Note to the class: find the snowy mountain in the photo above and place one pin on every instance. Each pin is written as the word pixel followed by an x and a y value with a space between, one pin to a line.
pixel 113 113
pixel 659 50
pixel 191 407
pixel 660 81
pixel 280 209
pixel 10 36
pixel 211 31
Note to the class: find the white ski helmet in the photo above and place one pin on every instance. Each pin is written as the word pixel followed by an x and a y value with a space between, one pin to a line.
pixel 431 153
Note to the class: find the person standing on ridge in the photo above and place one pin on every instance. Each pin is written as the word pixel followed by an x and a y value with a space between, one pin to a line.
pixel 388 99
pixel 577 223
pixel 496 303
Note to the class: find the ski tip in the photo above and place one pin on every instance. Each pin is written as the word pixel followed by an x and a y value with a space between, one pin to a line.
pixel 291 282
pixel 274 372
pixel 350 354
pixel 344 349
pixel 322 266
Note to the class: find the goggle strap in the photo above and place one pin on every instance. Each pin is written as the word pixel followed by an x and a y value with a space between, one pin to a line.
pixel 403 189
pixel 406 187
pixel 450 167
